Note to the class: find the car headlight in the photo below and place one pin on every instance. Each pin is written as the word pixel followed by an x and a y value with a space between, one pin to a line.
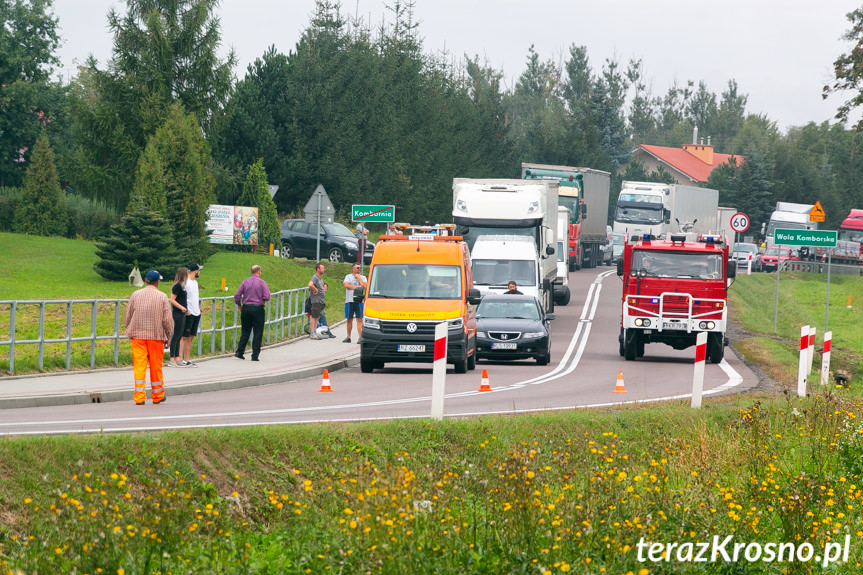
pixel 481 334
pixel 642 322
pixel 371 323
pixel 707 325
pixel 351 245
pixel 457 323
pixel 461 206
pixel 533 334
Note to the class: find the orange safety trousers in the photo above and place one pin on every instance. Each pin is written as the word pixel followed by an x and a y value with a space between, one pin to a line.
pixel 153 352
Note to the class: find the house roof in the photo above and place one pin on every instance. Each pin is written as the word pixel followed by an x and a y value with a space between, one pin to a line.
pixel 685 162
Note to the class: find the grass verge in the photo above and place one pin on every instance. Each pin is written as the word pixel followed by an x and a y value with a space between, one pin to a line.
pixel 556 493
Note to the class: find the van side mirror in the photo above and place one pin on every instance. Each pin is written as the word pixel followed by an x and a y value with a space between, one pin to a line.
pixel 549 316
pixel 549 250
pixel 473 296
pixel 359 294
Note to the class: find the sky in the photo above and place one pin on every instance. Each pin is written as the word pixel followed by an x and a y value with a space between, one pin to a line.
pixel 780 52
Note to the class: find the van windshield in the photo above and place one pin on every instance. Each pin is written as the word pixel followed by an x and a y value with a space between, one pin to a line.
pixel 501 272
pixel 415 281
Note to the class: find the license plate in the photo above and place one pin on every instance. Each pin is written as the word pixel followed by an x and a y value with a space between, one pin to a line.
pixel 666 325
pixel 412 348
pixel 503 346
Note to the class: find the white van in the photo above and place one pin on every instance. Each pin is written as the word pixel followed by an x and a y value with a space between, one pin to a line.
pixel 498 259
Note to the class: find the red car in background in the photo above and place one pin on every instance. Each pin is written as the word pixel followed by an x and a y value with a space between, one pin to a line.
pixel 772 257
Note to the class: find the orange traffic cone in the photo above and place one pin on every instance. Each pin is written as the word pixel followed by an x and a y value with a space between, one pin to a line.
pixel 484 386
pixel 325 384
pixel 619 388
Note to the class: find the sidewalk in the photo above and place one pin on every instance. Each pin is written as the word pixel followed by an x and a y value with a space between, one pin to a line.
pixel 288 361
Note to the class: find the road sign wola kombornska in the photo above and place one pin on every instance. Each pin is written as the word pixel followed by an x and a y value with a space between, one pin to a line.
pixel 371 213
pixel 821 238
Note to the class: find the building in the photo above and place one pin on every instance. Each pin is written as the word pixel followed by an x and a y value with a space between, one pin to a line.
pixel 689 165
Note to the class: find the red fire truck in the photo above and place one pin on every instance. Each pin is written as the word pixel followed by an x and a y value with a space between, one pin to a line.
pixel 672 290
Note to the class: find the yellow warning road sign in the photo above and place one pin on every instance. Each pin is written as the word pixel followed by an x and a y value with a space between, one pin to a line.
pixel 817 213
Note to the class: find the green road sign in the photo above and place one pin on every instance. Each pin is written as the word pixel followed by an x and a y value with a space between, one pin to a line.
pixel 820 238
pixel 361 213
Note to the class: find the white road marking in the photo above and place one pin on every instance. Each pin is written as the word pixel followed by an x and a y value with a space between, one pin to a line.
pixel 566 366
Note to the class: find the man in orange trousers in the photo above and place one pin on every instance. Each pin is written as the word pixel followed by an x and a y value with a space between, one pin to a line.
pixel 149 325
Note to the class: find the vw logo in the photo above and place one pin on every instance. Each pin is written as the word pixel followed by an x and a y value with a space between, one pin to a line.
pixel 412 327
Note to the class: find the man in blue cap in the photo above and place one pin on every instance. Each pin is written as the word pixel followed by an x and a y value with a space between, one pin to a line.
pixel 149 325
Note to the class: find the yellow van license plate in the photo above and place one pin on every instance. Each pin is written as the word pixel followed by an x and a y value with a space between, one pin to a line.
pixel 412 348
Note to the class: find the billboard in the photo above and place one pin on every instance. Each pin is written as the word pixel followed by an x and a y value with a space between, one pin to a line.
pixel 237 225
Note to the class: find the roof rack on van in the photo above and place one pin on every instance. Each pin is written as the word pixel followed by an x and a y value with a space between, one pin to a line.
pixel 423 232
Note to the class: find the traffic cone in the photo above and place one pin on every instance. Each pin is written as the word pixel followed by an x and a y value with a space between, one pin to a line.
pixel 484 386
pixel 325 384
pixel 619 388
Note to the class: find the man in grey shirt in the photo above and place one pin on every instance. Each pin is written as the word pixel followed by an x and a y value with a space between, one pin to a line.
pixel 316 285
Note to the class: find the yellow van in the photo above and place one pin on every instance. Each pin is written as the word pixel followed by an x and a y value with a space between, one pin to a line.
pixel 416 281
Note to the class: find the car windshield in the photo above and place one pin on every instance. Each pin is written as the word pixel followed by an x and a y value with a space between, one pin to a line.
pixel 629 214
pixel 684 265
pixel 337 229
pixel 775 252
pixel 618 239
pixel 507 309
pixel 745 249
pixel 501 272
pixel 415 281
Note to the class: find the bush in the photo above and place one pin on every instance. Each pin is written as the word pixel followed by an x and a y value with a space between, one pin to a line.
pixel 9 198
pixel 87 219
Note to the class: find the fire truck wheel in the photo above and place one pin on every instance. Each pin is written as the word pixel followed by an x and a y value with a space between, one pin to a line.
pixel 639 347
pixel 630 339
pixel 715 349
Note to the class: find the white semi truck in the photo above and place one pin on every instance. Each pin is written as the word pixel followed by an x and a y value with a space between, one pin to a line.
pixel 511 207
pixel 791 216
pixel 657 209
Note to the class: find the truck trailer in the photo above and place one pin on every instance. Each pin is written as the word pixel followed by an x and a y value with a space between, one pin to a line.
pixel 585 192
pixel 511 207
pixel 657 209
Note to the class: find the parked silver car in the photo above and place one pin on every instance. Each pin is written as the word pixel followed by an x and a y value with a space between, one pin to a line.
pixel 743 253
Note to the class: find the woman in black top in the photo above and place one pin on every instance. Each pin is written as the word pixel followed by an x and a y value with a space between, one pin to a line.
pixel 178 310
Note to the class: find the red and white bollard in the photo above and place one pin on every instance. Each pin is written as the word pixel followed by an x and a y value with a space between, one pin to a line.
pixel 439 370
pixel 810 352
pixel 698 375
pixel 802 362
pixel 825 358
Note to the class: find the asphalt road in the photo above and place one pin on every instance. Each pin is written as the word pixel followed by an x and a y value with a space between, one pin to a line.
pixel 582 374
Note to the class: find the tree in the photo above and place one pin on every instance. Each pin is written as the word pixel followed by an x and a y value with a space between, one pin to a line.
pixel 848 70
pixel 256 193
pixel 142 239
pixel 29 40
pixel 40 209
pixel 174 181
pixel 165 52
pixel 30 103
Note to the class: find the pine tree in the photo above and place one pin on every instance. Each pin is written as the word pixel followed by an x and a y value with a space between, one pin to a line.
pixel 256 193
pixel 40 209
pixel 142 238
pixel 173 179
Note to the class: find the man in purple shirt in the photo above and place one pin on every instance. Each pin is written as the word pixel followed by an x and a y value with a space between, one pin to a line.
pixel 251 297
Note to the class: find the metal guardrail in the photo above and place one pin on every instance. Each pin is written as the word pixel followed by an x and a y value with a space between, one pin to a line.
pixel 285 319
pixel 821 267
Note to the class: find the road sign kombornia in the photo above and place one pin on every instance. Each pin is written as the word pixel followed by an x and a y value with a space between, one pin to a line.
pixel 373 213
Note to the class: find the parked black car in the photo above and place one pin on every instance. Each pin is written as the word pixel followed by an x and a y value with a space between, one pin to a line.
pixel 513 327
pixel 338 243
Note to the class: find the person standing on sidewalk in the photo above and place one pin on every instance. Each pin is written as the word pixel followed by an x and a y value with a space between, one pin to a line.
pixel 178 311
pixel 251 297
pixel 193 318
pixel 318 299
pixel 149 325
pixel 354 310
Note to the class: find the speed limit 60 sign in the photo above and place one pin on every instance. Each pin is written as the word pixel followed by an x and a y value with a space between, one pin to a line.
pixel 739 222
